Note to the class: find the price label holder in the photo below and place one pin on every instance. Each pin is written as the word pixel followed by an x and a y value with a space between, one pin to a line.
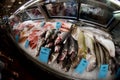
pixel 82 66
pixel 58 25
pixel 44 54
pixel 118 73
pixel 103 71
pixel 27 43
pixel 17 38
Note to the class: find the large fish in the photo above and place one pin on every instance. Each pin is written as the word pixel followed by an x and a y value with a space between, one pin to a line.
pixel 64 50
pixel 107 43
pixel 97 32
pixel 82 50
pixel 72 53
pixel 97 53
pixel 90 53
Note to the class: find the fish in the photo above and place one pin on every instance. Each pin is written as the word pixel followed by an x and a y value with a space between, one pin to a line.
pixel 40 43
pixel 64 52
pixel 97 54
pixel 90 52
pixel 33 42
pixel 53 36
pixel 96 31
pixel 108 44
pixel 72 53
pixel 61 37
pixel 106 54
pixel 82 50
pixel 49 33
pixel 55 54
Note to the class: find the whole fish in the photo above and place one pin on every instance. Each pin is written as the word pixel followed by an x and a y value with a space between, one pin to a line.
pixel 97 54
pixel 50 44
pixel 108 44
pixel 72 53
pixel 55 54
pixel 53 36
pixel 90 52
pixel 106 54
pixel 97 32
pixel 49 33
pixel 82 50
pixel 61 37
pixel 64 50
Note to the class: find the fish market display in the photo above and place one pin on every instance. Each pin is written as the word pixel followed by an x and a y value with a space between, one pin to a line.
pixel 64 46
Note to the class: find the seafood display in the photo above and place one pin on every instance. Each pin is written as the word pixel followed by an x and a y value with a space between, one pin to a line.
pixel 64 46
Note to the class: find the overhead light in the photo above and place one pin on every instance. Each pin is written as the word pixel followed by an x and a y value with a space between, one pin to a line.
pixel 13 1
pixel 20 2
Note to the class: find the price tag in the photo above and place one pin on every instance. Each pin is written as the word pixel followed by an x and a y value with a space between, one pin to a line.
pixel 58 25
pixel 44 54
pixel 118 73
pixel 17 38
pixel 103 71
pixel 82 66
pixel 27 43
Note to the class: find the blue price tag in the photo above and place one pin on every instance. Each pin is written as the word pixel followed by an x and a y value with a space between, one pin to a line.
pixel 118 73
pixel 82 66
pixel 27 43
pixel 103 71
pixel 42 24
pixel 44 54
pixel 58 25
pixel 17 38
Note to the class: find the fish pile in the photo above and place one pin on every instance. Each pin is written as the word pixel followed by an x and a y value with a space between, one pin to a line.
pixel 67 44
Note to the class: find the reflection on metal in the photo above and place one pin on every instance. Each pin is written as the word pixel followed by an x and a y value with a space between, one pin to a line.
pixel 116 2
pixel 116 14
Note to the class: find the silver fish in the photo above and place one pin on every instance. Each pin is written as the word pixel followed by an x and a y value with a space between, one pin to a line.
pixel 72 53
pixel 49 33
pixel 61 37
pixel 108 44
pixel 90 52
pixel 54 55
pixel 64 51
pixel 97 54
pixel 82 50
